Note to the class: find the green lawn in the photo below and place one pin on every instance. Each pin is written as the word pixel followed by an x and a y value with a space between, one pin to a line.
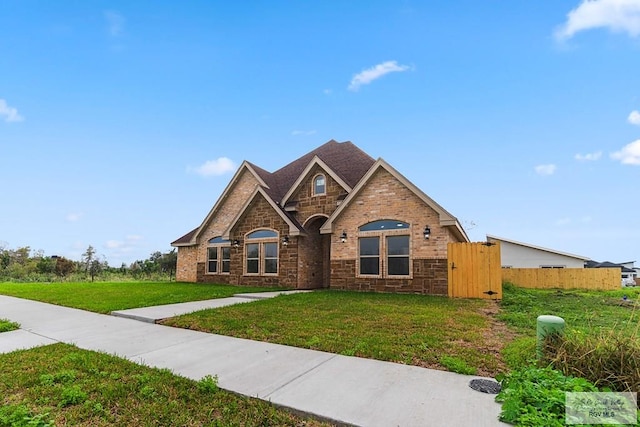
pixel 441 332
pixel 105 297
pixel 63 385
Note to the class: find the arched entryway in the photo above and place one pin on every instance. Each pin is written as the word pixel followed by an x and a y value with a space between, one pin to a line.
pixel 316 250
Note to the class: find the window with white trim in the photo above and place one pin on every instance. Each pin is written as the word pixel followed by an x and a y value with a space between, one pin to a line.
pixel 261 253
pixel 319 185
pixel 219 256
pixel 384 249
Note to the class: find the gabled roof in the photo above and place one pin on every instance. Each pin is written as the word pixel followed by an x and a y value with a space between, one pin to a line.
pixel 345 162
pixel 446 219
pixel 501 239
pixel 609 264
pixel 316 161
pixel 294 228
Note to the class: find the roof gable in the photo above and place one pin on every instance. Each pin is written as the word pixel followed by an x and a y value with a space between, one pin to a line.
pixel 446 219
pixel 294 229
pixel 316 161
pixel 500 239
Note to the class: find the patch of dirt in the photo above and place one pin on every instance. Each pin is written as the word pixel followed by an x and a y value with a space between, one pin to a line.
pixel 495 336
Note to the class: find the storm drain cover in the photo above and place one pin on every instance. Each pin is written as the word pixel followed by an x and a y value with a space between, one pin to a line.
pixel 485 386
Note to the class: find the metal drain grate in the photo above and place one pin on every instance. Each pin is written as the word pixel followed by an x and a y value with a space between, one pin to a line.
pixel 485 386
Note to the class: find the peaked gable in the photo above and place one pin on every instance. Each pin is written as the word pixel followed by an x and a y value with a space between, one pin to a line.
pixel 446 219
pixel 294 229
pixel 316 161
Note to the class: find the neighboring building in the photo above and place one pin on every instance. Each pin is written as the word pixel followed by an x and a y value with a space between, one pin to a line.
pixel 523 255
pixel 628 272
pixel 335 218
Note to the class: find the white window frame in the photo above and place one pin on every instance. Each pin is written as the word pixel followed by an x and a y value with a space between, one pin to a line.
pixel 313 185
pixel 218 247
pixel 383 256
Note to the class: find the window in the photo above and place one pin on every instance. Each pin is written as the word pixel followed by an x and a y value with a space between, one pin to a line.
pixel 261 249
pixel 384 249
pixel 398 255
pixel 370 255
pixel 219 256
pixel 319 185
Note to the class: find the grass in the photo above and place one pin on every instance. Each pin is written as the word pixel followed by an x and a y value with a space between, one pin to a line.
pixel 409 329
pixel 105 297
pixel 63 385
pixel 7 325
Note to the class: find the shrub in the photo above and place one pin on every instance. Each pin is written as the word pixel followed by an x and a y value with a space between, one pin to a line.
pixel 534 396
pixel 608 358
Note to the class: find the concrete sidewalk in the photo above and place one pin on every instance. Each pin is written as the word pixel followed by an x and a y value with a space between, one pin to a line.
pixel 159 312
pixel 346 390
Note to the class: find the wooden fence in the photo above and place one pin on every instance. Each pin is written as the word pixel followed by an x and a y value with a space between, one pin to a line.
pixel 474 270
pixel 564 278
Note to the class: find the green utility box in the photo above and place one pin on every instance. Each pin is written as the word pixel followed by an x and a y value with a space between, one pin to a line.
pixel 547 325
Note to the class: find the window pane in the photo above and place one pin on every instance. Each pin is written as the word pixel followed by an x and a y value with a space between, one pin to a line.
pixel 212 253
pixel 271 265
pixel 319 185
pixel 385 224
pixel 212 266
pixel 270 250
pixel 262 234
pixel 226 253
pixel 218 240
pixel 226 266
pixel 252 251
pixel 370 265
pixel 369 246
pixel 398 266
pixel 398 245
pixel 252 266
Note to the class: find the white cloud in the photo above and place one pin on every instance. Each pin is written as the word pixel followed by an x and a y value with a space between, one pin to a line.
pixel 367 76
pixel 10 114
pixel 563 221
pixel 546 170
pixel 616 15
pixel 74 216
pixel 303 132
pixel 634 117
pixel 123 246
pixel 115 23
pixel 219 166
pixel 589 157
pixel 327 91
pixel 629 154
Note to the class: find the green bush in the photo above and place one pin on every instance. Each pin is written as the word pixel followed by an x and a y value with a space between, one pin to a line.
pixel 534 396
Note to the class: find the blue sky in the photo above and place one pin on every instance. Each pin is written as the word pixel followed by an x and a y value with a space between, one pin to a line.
pixel 121 122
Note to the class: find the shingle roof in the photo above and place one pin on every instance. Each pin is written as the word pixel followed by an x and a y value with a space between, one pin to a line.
pixel 345 159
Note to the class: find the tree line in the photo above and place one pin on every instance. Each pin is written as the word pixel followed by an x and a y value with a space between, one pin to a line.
pixel 25 265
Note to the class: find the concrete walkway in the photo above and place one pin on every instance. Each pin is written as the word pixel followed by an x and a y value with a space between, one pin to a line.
pixel 346 390
pixel 159 312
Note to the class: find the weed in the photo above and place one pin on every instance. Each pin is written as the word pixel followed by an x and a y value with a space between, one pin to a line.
pixel 7 325
pixel 534 396
pixel 20 416
pixel 72 395
pixel 208 384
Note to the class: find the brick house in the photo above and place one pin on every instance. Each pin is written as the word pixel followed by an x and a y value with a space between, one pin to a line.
pixel 334 218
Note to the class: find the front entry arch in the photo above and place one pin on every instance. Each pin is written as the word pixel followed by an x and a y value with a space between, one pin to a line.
pixel 316 249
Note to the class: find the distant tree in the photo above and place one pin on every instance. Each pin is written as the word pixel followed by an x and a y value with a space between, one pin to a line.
pixel 91 263
pixel 64 267
pixel 46 265
pixel 168 263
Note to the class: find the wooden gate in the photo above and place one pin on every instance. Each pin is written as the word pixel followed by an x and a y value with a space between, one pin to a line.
pixel 475 270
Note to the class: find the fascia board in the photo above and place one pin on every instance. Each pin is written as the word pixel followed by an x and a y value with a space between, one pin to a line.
pixel 540 248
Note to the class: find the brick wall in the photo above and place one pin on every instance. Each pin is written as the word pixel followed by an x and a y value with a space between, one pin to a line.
pixel 190 258
pixel 310 205
pixel 385 197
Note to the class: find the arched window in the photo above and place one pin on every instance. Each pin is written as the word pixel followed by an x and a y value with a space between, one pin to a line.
pixel 319 185
pixel 384 249
pixel 219 256
pixel 261 252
